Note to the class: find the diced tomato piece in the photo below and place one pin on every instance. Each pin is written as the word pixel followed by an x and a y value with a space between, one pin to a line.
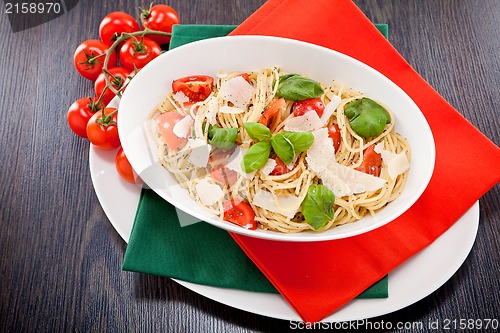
pixel 270 116
pixel 280 168
pixel 334 134
pixel 218 156
pixel 166 122
pixel 220 172
pixel 372 162
pixel 240 213
pixel 299 108
pixel 197 87
pixel 245 76
pixel 223 174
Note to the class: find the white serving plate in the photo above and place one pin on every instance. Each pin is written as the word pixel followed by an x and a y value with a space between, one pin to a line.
pixel 413 280
pixel 250 53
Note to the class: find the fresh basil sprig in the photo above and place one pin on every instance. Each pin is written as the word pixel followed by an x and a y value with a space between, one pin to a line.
pixel 297 88
pixel 222 138
pixel 256 157
pixel 301 141
pixel 258 131
pixel 283 148
pixel 366 117
pixel 285 145
pixel 317 206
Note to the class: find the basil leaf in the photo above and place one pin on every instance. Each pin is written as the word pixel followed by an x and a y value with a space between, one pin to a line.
pixel 258 131
pixel 256 157
pixel 301 141
pixel 297 88
pixel 287 76
pixel 366 117
pixel 283 148
pixel 317 206
pixel 222 138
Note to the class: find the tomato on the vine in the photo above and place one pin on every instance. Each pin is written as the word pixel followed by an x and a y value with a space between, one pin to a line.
pixel 89 58
pixel 79 114
pixel 139 52
pixel 197 87
pixel 118 78
pixel 161 18
pixel 102 130
pixel 124 168
pixel 113 24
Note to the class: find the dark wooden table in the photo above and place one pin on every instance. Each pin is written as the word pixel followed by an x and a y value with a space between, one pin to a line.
pixel 60 258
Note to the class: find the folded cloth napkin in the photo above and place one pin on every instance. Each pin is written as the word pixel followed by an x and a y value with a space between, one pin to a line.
pixel 199 253
pixel 310 278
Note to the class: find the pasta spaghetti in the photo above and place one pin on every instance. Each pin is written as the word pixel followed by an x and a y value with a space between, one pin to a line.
pixel 277 192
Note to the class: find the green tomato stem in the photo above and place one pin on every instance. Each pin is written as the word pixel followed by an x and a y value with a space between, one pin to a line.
pixel 115 44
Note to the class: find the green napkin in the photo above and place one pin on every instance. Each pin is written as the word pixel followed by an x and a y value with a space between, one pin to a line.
pixel 200 252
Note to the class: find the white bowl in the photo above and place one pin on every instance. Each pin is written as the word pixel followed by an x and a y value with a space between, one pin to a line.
pixel 251 53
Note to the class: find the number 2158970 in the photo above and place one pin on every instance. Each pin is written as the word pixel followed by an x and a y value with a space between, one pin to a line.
pixel 32 8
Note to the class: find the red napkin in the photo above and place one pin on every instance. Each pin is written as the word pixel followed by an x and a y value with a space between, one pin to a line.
pixel 318 278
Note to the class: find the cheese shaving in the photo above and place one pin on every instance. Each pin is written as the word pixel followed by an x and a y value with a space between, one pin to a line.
pixel 285 204
pixel 209 193
pixel 308 122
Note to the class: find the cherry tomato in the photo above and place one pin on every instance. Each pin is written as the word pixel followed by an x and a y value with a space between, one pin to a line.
pixel 299 108
pixel 372 162
pixel 118 78
pixel 218 156
pixel 197 88
pixel 280 168
pixel 79 114
pixel 113 24
pixel 138 52
pixel 160 18
pixel 240 213
pixel 334 134
pixel 89 58
pixel 102 130
pixel 223 174
pixel 218 160
pixel 124 168
pixel 166 122
pixel 246 77
pixel 270 116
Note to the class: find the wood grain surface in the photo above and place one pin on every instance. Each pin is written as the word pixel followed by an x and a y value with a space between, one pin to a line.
pixel 60 258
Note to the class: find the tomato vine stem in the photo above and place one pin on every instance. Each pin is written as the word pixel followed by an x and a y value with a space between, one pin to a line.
pixel 121 38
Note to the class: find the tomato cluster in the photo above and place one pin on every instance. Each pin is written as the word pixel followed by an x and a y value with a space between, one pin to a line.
pixel 110 63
